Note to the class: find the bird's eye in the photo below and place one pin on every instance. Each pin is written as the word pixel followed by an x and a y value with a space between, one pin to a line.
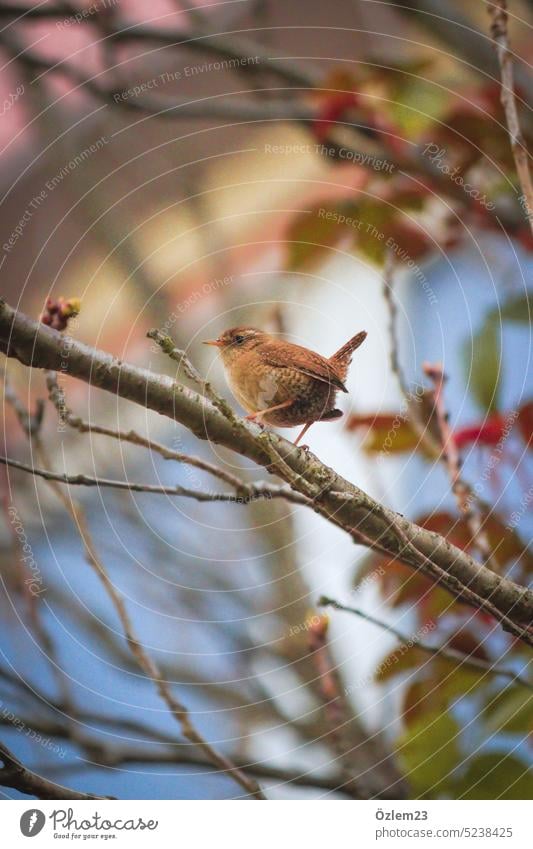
pixel 239 339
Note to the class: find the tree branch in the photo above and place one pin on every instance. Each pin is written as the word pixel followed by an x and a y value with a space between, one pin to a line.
pixel 250 492
pixel 149 667
pixel 441 651
pixel 335 498
pixel 464 494
pixel 462 491
pixel 15 774
pixel 498 13
pixel 245 490
pixel 123 756
pixel 231 45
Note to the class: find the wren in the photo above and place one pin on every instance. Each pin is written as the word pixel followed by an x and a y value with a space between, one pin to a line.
pixel 282 384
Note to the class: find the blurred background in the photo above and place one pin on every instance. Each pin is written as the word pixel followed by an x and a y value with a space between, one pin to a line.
pixel 314 170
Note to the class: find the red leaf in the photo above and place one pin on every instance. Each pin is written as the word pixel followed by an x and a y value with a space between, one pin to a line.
pixel 488 432
pixel 331 110
pixel 525 422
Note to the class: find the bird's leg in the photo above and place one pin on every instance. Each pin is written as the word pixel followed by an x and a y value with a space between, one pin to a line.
pixel 303 432
pixel 252 417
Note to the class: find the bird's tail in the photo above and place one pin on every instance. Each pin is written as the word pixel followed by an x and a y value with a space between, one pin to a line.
pixel 343 357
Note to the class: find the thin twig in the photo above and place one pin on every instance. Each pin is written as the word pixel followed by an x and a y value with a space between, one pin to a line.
pixel 251 493
pixel 143 659
pixel 57 397
pixel 498 12
pixel 450 456
pixel 148 666
pixel 442 651
pixel 178 355
pixel 394 347
pixel 248 55
pixel 415 419
pixel 333 700
pixel 465 495
pixel 14 774
pixel 262 771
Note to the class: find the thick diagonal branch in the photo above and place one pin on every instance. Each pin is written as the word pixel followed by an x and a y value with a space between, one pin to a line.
pixel 36 345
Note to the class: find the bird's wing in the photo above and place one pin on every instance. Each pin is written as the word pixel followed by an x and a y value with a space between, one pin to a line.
pixel 302 360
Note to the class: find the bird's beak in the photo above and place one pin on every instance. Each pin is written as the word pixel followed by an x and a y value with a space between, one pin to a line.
pixel 216 342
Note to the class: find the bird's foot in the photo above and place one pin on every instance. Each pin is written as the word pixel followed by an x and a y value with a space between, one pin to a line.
pixel 256 419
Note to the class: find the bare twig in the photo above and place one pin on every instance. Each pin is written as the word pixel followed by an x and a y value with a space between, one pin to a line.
pixel 14 774
pixel 57 397
pixel 113 757
pixel 145 662
pixel 388 292
pixel 446 451
pixel 450 456
pixel 29 422
pixel 498 12
pixel 230 45
pixel 441 651
pixel 149 667
pixel 333 697
pixel 167 346
pixel 450 452
pixel 250 492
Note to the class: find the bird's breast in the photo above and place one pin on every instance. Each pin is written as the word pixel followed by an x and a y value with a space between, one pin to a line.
pixel 258 386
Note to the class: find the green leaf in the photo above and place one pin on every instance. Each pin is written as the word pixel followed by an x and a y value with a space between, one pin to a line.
pixel 311 236
pixel 511 712
pixel 442 685
pixel 494 776
pixel 402 659
pixel 387 432
pixel 482 364
pixel 517 309
pixel 429 752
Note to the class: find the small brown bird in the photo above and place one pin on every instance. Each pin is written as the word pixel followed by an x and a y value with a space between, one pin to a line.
pixel 282 384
